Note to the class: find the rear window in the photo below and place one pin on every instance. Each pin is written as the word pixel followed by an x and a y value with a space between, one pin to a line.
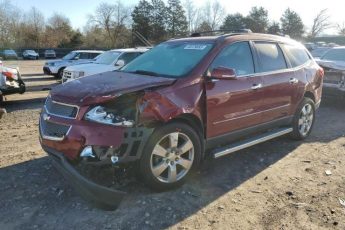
pixel 271 57
pixel 296 55
pixel 334 55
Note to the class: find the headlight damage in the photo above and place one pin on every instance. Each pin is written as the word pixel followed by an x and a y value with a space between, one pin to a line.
pixel 121 112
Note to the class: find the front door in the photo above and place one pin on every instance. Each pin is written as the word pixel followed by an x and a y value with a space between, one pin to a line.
pixel 233 104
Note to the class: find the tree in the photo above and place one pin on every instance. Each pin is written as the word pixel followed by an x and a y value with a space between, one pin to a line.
pixel 320 23
pixel 204 26
pixel 112 18
pixel 274 28
pixel 10 17
pixel 257 20
pixel 213 14
pixel 191 13
pixel 157 19
pixel 141 19
pixel 35 25
pixel 291 24
pixel 177 24
pixel 58 31
pixel 341 29
pixel 234 22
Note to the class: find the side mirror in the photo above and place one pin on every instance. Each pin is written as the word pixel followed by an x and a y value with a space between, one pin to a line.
pixel 76 58
pixel 120 63
pixel 223 73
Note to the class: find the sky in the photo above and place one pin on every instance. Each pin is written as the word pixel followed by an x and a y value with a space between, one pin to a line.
pixel 77 10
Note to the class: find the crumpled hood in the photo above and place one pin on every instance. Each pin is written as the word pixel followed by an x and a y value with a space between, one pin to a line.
pixel 337 65
pixel 103 87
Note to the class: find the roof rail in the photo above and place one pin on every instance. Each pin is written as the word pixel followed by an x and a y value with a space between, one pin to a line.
pixel 221 32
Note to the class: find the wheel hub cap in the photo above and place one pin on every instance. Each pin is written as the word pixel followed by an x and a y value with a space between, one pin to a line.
pixel 172 157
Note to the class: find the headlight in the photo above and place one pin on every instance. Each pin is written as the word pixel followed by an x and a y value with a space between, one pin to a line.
pixel 100 115
pixel 51 64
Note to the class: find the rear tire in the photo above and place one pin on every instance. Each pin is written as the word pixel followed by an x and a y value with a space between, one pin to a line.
pixel 303 120
pixel 170 154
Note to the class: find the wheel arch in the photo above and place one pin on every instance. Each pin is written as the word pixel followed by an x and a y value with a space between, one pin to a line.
pixel 310 95
pixel 195 123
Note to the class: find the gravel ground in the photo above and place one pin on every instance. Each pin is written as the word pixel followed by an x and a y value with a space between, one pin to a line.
pixel 280 184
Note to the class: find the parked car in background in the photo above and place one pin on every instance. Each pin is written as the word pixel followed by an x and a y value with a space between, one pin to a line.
pixel 56 67
pixel 333 63
pixel 108 61
pixel 49 54
pixel 173 104
pixel 10 81
pixel 318 52
pixel 30 55
pixel 9 54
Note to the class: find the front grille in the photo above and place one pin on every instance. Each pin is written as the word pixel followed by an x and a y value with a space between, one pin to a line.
pixel 53 131
pixel 60 109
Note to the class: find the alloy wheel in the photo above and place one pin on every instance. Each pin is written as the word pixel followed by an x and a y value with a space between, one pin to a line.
pixel 306 119
pixel 172 157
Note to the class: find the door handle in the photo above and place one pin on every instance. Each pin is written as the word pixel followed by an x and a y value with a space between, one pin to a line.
pixel 293 81
pixel 256 86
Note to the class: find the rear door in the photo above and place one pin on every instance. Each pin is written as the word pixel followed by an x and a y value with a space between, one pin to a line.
pixel 305 69
pixel 279 82
pixel 233 104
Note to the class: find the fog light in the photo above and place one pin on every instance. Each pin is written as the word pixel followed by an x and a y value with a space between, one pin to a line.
pixel 87 152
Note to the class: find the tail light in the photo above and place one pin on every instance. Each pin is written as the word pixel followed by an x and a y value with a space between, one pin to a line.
pixel 9 75
pixel 321 72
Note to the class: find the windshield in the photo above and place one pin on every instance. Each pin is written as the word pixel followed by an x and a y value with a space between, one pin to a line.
pixel 30 51
pixel 70 56
pixel 49 51
pixel 171 59
pixel 107 58
pixel 9 52
pixel 334 55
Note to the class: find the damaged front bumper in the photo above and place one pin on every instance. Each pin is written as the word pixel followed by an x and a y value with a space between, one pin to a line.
pixel 69 139
pixel 98 195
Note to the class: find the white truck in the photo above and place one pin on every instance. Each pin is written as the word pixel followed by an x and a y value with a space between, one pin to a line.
pixel 56 67
pixel 108 61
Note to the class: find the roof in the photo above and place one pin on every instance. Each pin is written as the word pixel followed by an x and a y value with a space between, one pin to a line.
pixel 88 51
pixel 128 50
pixel 238 36
pixel 337 47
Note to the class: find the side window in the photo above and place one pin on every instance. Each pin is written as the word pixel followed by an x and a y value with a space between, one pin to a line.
pixel 93 55
pixel 128 57
pixel 83 56
pixel 271 57
pixel 296 55
pixel 236 56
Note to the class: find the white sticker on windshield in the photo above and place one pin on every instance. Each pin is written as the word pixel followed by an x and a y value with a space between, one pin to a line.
pixel 195 47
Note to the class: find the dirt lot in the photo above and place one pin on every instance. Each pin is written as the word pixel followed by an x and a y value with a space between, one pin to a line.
pixel 280 184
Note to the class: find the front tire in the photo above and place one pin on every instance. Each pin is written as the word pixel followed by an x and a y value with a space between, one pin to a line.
pixel 303 120
pixel 170 154
pixel 59 73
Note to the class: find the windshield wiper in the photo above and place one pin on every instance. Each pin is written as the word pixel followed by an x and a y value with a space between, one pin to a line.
pixel 144 72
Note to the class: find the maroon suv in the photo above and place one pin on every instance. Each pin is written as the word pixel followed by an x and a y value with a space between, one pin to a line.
pixel 182 99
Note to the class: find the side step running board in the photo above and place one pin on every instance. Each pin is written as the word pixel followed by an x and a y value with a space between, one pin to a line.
pixel 250 142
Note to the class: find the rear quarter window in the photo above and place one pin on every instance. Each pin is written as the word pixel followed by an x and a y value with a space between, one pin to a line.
pixel 270 56
pixel 296 55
